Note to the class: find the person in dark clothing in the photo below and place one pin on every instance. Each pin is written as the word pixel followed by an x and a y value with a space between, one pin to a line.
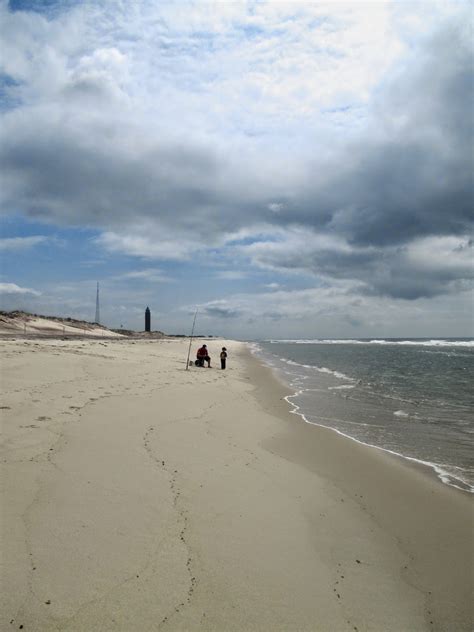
pixel 203 355
pixel 223 357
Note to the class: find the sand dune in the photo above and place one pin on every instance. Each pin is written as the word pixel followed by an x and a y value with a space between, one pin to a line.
pixel 15 323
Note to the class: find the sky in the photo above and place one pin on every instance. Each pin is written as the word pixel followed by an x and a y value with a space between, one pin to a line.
pixel 290 170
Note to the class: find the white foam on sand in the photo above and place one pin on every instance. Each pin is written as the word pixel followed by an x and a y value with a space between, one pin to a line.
pixel 448 474
pixel 320 369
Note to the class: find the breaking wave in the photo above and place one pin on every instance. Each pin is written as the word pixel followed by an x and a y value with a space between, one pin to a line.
pixel 379 341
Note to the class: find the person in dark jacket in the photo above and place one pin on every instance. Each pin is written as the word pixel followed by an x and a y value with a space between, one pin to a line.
pixel 223 357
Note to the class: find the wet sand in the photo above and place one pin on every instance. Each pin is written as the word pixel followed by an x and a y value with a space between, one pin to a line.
pixel 140 495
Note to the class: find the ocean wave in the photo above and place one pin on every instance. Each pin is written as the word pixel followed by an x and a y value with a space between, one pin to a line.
pixel 320 369
pixel 398 413
pixel 450 354
pixel 449 474
pixel 378 341
pixel 401 413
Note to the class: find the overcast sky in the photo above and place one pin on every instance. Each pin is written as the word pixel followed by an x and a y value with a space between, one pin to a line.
pixel 291 169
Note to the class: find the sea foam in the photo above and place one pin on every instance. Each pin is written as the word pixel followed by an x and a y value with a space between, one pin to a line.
pixel 377 341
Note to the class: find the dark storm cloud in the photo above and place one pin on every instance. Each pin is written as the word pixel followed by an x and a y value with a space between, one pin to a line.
pixel 422 269
pixel 413 175
pixel 78 177
pixel 86 173
pixel 409 182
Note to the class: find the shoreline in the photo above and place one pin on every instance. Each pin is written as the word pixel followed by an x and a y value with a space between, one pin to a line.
pixel 411 463
pixel 404 507
pixel 141 495
pixel 433 469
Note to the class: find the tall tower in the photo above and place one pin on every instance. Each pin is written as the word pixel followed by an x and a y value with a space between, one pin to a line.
pixel 147 319
pixel 97 307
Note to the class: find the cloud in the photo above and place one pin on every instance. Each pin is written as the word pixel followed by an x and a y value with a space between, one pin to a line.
pixel 12 289
pixel 411 174
pixel 423 268
pixel 230 275
pixel 272 286
pixel 151 275
pixel 333 141
pixel 220 309
pixel 147 247
pixel 13 244
pixel 282 304
pixel 341 311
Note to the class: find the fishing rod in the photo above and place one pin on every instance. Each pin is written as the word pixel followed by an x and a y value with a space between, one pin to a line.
pixel 191 340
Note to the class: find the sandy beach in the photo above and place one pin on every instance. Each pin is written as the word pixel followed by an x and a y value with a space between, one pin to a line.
pixel 138 495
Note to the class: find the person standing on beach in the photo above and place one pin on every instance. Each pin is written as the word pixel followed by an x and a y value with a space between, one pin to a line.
pixel 223 357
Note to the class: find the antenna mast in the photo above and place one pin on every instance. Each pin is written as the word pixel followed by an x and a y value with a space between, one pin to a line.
pixel 97 307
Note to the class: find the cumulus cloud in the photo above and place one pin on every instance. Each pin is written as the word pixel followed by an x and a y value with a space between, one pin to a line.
pixel 422 268
pixel 12 289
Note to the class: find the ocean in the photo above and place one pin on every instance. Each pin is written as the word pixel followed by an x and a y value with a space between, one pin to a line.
pixel 411 397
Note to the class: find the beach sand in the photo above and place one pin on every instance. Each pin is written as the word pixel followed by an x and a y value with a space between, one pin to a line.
pixel 138 495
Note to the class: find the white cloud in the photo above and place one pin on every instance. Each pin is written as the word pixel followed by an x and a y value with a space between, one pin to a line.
pixel 275 207
pixel 447 253
pixel 146 247
pixel 152 275
pixel 214 67
pixel 423 267
pixel 13 289
pixel 230 275
pixel 22 243
pixel 336 311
